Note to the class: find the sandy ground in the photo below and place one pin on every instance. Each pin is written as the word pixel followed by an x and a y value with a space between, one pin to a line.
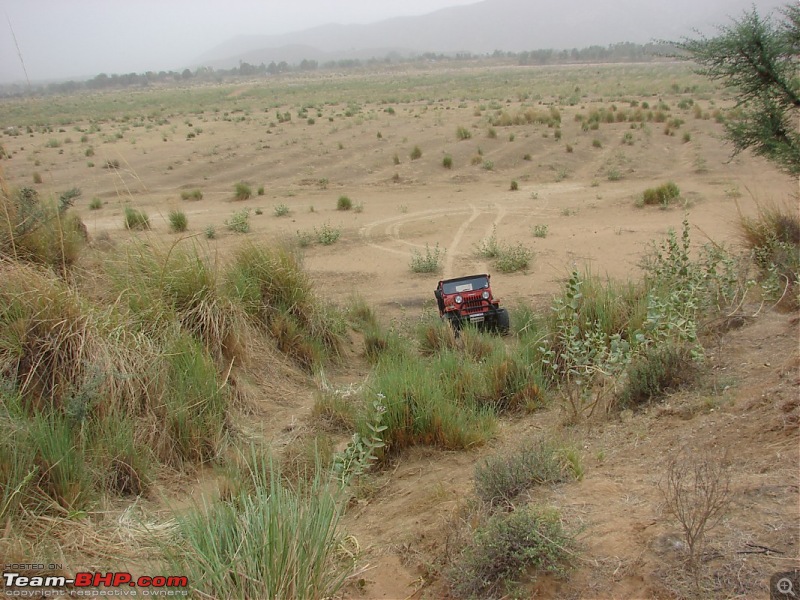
pixel 402 206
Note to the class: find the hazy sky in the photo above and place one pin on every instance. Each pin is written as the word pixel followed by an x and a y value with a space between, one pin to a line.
pixel 77 38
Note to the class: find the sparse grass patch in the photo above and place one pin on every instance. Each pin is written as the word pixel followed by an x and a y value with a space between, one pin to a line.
pixel 416 153
pixel 447 162
pixel 501 478
pixel 95 203
pixel 344 203
pixel 281 210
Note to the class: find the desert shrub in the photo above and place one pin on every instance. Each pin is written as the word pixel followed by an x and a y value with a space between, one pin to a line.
pixel 281 541
pixel 462 133
pixel 540 230
pixel 37 177
pixel 327 234
pixel 95 203
pixel 195 194
pixel 491 133
pixel 281 210
pixel 501 478
pixel 655 372
pixel 596 143
pixel 513 258
pixel 242 191
pixel 39 232
pixel 210 232
pixel 514 186
pixel 260 191
pixel 662 195
pixel 773 235
pixel 239 221
pixel 429 262
pixel 447 162
pixel 344 203
pixel 136 219
pixel 177 220
pixel 509 549
pixel 416 153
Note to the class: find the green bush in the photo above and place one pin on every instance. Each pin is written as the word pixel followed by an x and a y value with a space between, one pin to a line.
pixel 656 372
pixel 344 203
pixel 540 231
pixel 514 186
pixel 500 479
pixel 239 221
pixel 242 191
pixel 95 204
pixel 136 219
pixel 280 210
pixel 513 258
pixel 462 133
pixel 177 221
pixel 327 235
pixel 509 549
pixel 662 195
pixel 447 162
pixel 430 262
pixel 416 153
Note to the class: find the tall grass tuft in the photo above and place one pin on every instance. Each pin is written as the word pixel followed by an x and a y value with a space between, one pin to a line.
pixel 136 219
pixel 39 232
pixel 269 541
pixel 271 285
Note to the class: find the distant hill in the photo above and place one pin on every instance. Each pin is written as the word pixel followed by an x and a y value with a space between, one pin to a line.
pixel 507 25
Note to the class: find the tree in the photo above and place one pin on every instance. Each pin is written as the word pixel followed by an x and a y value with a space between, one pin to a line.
pixel 759 58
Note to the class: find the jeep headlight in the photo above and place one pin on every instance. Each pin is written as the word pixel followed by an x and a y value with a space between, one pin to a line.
pixel 485 295
pixel 459 299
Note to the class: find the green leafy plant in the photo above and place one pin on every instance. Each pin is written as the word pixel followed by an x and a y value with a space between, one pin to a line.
pixel 281 210
pixel 540 230
pixel 239 221
pixel 429 262
pixel 327 235
pixel 361 452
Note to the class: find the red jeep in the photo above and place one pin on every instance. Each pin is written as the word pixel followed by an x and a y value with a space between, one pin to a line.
pixel 469 299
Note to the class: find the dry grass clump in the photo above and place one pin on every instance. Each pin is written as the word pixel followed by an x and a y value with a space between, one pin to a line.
pixel 39 232
pixel 272 287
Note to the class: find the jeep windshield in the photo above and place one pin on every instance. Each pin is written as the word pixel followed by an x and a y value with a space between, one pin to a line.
pixel 466 284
